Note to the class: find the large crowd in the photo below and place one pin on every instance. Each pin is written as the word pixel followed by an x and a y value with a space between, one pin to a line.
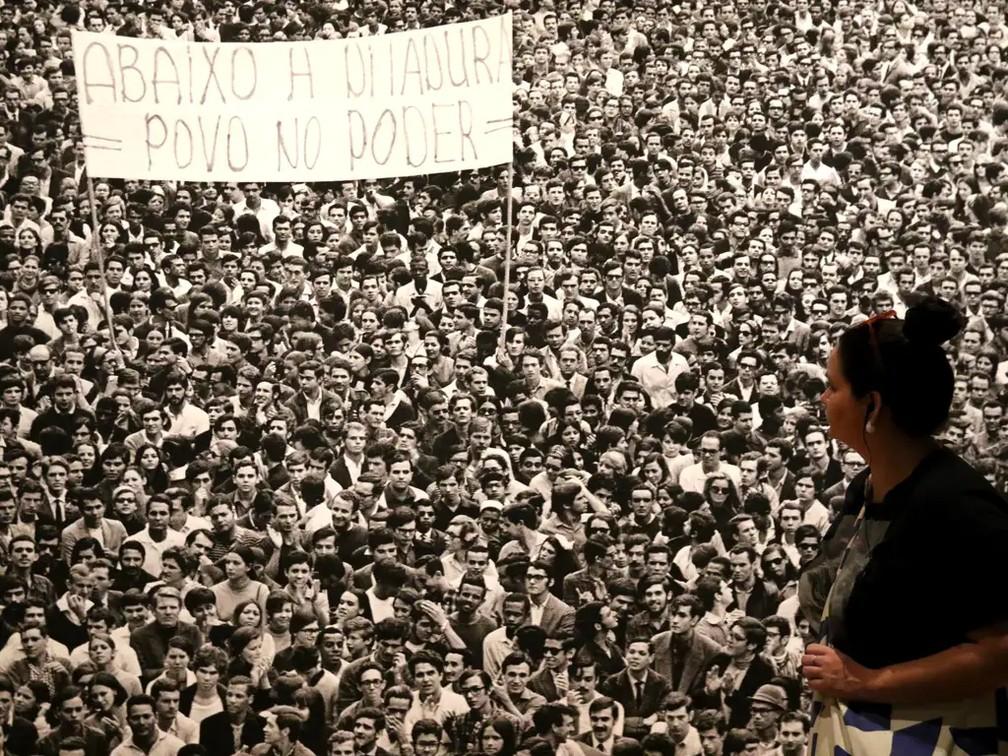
pixel 286 470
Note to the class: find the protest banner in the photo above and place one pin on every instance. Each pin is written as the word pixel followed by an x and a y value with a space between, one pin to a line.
pixel 425 101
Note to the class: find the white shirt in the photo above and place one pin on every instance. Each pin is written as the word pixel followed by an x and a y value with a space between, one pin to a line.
pixel 584 720
pixel 694 477
pixel 353 468
pixel 12 652
pixel 817 515
pixel 193 523
pixel 536 612
pixel 268 210
pixel 154 549
pixel 380 608
pixel 166 745
pixel 314 406
pixel 657 379
pixel 449 702
pixel 189 422
pixel 496 646
pixel 125 657
pixel 182 727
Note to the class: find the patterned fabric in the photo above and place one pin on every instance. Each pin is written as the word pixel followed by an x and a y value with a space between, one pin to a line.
pixel 975 727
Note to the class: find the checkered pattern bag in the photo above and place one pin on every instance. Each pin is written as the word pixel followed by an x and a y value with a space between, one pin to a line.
pixel 975 727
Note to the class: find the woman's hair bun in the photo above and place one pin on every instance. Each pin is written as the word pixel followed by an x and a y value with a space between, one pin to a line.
pixel 932 321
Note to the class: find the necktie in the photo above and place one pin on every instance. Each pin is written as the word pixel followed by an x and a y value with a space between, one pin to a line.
pixel 639 686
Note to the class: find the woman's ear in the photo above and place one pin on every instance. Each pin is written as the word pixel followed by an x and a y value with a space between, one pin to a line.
pixel 872 408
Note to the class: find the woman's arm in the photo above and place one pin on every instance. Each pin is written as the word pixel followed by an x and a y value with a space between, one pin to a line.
pixel 964 671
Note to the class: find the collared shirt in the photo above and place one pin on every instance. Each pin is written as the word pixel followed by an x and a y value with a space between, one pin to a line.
pixel 125 657
pixel 536 612
pixel 496 646
pixel 694 477
pixel 584 719
pixel 380 608
pixel 659 380
pixel 314 406
pixel 353 468
pixel 12 652
pixel 166 745
pixel 193 523
pixel 545 385
pixel 189 422
pixel 154 549
pixel 64 606
pixel 448 702
pixel 690 745
pixel 605 746
pixel 182 727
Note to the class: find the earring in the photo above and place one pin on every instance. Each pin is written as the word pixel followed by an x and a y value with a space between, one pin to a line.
pixel 869 427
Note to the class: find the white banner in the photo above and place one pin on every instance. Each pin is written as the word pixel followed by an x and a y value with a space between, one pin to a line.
pixel 417 102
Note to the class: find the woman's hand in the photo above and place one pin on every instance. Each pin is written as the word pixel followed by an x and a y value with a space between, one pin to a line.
pixel 832 673
pixel 111 724
pixel 714 681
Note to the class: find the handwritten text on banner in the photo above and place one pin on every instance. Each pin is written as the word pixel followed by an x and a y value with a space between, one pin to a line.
pixel 417 102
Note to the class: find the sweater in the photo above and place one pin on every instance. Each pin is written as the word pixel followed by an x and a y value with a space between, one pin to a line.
pixel 228 598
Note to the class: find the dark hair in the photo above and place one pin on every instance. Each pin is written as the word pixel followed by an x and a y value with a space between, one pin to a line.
pixel 503 727
pixel 889 355
pixel 111 682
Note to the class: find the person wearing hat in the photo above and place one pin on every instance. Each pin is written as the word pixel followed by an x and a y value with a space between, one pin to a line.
pixel 767 705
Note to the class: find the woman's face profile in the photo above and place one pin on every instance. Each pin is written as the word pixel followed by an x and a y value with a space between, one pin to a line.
pixel 844 413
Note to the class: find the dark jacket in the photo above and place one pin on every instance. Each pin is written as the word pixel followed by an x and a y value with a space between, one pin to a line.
pixel 62 420
pixel 189 694
pixel 95 743
pixel 341 473
pixel 763 600
pixel 542 683
pixel 217 736
pixel 697 656
pixel 760 672
pixel 63 629
pixel 298 404
pixel 151 644
pixel 619 687
pixel 20 737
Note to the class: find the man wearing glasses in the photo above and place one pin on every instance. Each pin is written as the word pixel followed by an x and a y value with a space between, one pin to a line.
pixel 694 476
pixel 744 384
pixel 484 701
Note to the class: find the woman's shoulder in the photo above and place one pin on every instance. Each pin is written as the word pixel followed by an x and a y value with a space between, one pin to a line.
pixel 950 506
pixel 950 489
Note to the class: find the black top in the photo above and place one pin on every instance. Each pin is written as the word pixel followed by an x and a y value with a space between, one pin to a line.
pixel 937 572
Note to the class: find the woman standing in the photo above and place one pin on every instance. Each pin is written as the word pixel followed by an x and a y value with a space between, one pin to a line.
pixel 915 632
